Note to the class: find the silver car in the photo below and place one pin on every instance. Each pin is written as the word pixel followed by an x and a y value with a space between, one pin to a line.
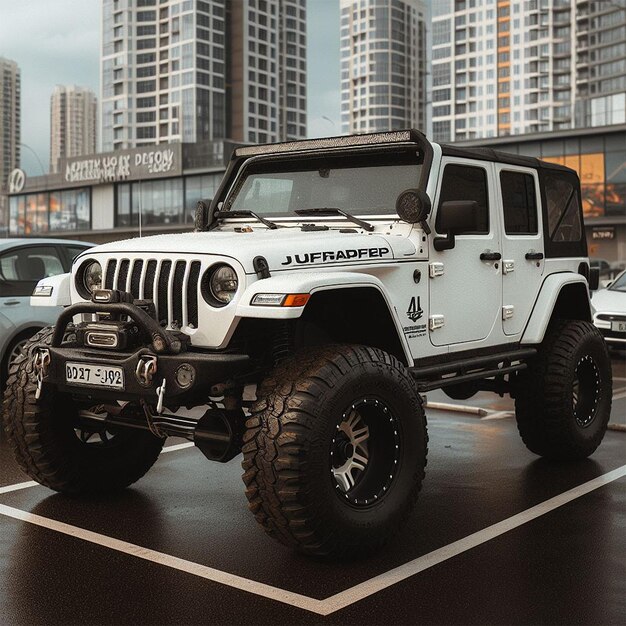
pixel 23 262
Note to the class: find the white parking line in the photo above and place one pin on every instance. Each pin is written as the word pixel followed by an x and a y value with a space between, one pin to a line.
pixel 215 575
pixel 344 598
pixel 179 446
pixel 498 415
pixel 460 408
pixel 32 483
pixel 17 486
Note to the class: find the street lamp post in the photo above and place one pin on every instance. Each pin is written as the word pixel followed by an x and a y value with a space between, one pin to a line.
pixel 25 145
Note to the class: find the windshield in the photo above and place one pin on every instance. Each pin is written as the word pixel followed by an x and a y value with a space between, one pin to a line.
pixel 360 185
pixel 620 283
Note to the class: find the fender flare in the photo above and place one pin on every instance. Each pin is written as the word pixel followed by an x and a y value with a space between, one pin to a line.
pixel 549 293
pixel 311 283
pixel 53 291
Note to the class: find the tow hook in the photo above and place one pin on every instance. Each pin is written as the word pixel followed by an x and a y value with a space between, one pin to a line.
pixel 41 361
pixel 146 369
pixel 161 396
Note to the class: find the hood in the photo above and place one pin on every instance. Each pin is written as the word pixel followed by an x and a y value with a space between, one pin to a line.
pixel 284 248
pixel 609 301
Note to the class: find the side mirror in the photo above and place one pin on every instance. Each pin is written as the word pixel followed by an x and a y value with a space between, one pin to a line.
pixel 455 217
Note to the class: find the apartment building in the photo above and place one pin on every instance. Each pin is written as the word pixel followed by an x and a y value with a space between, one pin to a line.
pixel 199 70
pixel 506 67
pixel 73 117
pixel 383 65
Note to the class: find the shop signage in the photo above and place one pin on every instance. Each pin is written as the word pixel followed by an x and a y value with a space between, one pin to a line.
pixel 139 164
pixel 607 232
pixel 17 178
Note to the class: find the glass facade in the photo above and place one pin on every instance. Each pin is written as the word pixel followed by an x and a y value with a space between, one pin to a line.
pixel 38 213
pixel 162 202
pixel 599 160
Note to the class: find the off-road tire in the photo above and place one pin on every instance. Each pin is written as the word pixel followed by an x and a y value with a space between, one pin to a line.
pixel 288 471
pixel 551 421
pixel 45 445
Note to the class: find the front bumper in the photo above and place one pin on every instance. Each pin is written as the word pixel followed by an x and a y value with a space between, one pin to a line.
pixel 166 353
pixel 605 323
pixel 209 369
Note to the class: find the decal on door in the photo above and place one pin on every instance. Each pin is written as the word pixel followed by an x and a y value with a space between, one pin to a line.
pixel 415 311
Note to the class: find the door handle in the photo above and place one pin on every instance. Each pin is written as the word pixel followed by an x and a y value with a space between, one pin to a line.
pixel 534 256
pixel 490 256
pixel 11 302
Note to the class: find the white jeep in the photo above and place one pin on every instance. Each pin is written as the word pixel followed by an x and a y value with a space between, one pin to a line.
pixel 334 280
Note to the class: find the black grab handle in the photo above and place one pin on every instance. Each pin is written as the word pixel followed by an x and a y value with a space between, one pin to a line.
pixel 490 256
pixel 534 256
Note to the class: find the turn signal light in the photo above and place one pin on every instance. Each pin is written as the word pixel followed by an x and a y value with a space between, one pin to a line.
pixel 296 299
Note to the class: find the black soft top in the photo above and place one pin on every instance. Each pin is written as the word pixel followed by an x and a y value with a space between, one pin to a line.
pixel 489 154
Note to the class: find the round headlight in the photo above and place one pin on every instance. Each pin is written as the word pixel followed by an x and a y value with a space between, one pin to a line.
pixel 223 284
pixel 92 277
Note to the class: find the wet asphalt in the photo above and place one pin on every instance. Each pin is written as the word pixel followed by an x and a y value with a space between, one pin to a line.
pixel 567 566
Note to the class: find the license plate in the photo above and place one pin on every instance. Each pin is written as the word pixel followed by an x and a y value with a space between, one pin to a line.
pixel 94 375
pixel 619 327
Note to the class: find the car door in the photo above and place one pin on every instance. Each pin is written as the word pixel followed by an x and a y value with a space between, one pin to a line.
pixel 20 271
pixel 522 245
pixel 465 284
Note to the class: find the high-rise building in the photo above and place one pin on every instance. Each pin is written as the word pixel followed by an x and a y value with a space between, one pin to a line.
pixel 73 114
pixel 503 67
pixel 198 70
pixel 383 65
pixel 600 62
pixel 10 123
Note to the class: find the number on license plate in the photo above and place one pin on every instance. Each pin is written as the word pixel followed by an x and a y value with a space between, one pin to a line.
pixel 94 375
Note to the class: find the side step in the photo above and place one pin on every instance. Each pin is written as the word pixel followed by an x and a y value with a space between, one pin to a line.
pixel 431 377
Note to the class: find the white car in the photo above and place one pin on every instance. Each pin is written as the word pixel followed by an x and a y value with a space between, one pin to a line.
pixel 610 311
pixel 23 262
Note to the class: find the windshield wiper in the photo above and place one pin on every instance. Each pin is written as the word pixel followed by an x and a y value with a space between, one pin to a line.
pixel 245 213
pixel 335 211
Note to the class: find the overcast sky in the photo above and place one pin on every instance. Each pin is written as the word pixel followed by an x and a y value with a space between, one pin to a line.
pixel 58 42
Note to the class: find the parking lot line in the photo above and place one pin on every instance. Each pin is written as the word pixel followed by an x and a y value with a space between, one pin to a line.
pixel 209 573
pixel 17 486
pixel 344 598
pixel 398 574
pixel 178 446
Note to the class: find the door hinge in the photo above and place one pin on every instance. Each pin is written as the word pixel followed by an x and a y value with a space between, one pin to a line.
pixel 435 269
pixel 508 310
pixel 508 267
pixel 435 322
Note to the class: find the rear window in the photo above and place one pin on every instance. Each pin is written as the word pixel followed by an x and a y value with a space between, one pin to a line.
pixel 563 209
pixel 563 221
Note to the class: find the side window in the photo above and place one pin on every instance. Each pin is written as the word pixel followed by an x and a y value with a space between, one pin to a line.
pixel 563 207
pixel 519 203
pixel 21 269
pixel 464 182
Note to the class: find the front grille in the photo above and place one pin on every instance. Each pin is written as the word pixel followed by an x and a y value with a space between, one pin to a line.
pixel 173 287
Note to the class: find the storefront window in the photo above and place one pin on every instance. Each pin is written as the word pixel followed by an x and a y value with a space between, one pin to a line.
pixel 34 214
pixel 163 201
pixel 199 188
